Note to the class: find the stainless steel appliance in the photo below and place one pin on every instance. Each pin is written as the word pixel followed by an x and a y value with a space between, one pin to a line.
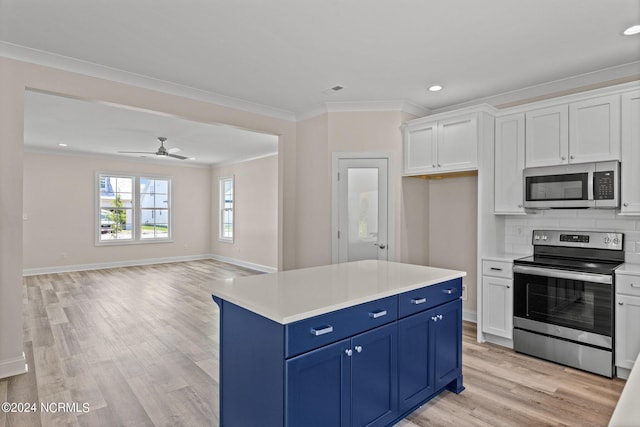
pixel 563 298
pixel 582 185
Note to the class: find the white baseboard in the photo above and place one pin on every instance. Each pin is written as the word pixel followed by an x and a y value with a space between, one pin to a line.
pixel 245 264
pixel 149 261
pixel 470 316
pixel 15 366
pixel 104 265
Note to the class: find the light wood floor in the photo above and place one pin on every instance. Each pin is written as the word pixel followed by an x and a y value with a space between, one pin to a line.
pixel 139 346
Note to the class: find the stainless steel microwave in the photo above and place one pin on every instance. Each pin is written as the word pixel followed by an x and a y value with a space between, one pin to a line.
pixel 582 185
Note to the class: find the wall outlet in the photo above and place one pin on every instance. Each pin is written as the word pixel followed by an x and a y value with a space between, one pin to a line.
pixel 464 292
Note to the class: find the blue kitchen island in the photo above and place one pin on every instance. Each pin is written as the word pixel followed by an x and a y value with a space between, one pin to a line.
pixel 355 344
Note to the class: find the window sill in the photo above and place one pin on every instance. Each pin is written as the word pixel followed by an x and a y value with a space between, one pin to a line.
pixel 133 242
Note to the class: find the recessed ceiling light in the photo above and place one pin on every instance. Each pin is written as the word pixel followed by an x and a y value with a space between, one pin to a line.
pixel 62 144
pixel 632 30
pixel 435 88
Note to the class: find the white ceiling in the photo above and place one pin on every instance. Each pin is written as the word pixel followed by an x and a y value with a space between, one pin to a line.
pixel 280 56
pixel 102 129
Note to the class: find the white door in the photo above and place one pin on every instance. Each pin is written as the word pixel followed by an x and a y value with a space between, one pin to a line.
pixel 362 209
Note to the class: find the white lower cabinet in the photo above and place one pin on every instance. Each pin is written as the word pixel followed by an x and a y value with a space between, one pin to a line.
pixel 497 298
pixel 627 319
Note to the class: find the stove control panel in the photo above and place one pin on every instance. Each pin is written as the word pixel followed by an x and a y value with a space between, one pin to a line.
pixel 581 239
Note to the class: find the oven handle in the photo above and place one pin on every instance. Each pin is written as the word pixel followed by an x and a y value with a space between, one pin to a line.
pixel 563 274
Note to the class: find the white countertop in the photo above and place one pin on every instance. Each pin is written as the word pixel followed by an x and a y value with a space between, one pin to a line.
pixel 293 295
pixel 629 268
pixel 503 256
pixel 627 412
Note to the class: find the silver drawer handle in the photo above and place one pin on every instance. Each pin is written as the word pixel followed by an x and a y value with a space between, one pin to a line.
pixel 496 269
pixel 633 285
pixel 321 330
pixel 449 291
pixel 376 314
pixel 417 301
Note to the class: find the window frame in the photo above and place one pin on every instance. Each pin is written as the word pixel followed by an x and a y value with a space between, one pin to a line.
pixel 221 207
pixel 136 209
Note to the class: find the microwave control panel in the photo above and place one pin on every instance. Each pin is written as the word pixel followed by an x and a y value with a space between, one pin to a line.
pixel 603 185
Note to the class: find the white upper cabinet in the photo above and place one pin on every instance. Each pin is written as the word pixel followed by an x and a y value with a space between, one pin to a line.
pixel 594 130
pixel 420 149
pixel 630 170
pixel 458 143
pixel 509 163
pixel 449 144
pixel 583 131
pixel 547 136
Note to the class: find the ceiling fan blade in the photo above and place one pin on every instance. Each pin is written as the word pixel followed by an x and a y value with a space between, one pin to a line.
pixel 173 150
pixel 176 156
pixel 136 152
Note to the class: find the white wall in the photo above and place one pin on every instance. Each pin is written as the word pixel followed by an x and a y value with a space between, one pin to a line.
pixel 453 230
pixel 255 212
pixel 59 211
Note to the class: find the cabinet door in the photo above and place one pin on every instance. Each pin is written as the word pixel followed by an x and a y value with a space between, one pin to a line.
pixel 415 364
pixel 630 179
pixel 447 343
pixel 458 143
pixel 547 136
pixel 420 149
pixel 509 163
pixel 497 306
pixel 627 337
pixel 374 374
pixel 318 387
pixel 594 129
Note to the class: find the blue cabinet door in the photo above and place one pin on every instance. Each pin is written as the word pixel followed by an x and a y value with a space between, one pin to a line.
pixel 318 387
pixel 374 400
pixel 448 345
pixel 415 364
pixel 430 354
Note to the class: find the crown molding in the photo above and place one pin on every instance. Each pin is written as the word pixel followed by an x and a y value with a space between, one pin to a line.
pixel 52 60
pixel 366 106
pixel 575 84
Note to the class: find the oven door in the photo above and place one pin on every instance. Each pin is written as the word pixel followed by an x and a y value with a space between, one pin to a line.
pixel 581 303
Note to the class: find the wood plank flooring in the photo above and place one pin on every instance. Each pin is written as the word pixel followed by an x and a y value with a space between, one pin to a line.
pixel 139 346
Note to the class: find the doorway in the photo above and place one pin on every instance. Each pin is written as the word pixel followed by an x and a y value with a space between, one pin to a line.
pixel 361 215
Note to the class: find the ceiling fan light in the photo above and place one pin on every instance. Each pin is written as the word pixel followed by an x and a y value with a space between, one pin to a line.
pixel 435 88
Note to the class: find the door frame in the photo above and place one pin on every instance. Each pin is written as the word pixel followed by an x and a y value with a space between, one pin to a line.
pixel 336 156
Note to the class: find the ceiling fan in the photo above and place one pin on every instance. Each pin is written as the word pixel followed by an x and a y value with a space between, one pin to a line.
pixel 162 151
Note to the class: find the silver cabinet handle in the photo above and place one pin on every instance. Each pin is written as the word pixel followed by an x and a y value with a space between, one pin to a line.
pixel 433 165
pixel 434 318
pixel 321 330
pixel 348 352
pixel 620 303
pixel 563 158
pixel 380 245
pixel 358 348
pixel 376 314
pixel 496 269
pixel 633 285
pixel 439 316
pixel 520 205
pixel 417 301
pixel 625 204
pixel 450 291
pixel 508 287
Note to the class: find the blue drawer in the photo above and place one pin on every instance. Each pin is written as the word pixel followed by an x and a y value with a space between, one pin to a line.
pixel 430 296
pixel 317 331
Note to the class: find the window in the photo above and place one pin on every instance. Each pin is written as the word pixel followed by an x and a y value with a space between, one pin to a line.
pixel 133 208
pixel 226 209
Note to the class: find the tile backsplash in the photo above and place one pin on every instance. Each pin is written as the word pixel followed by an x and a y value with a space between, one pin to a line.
pixel 518 229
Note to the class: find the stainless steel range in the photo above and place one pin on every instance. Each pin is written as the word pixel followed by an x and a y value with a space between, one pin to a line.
pixel 563 298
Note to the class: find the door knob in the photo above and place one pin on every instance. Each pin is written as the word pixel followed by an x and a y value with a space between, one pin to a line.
pixel 380 245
